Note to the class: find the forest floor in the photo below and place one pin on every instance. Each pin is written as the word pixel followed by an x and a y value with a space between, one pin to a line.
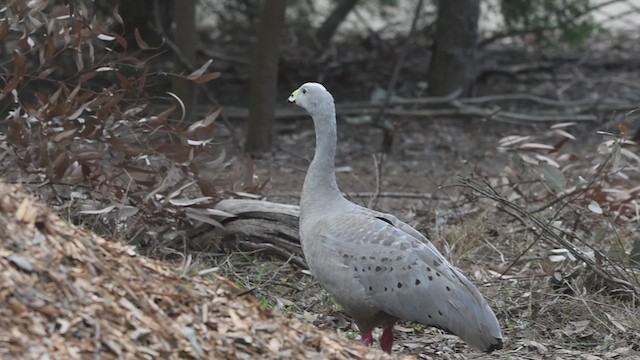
pixel 418 183
pixel 217 317
pixel 550 305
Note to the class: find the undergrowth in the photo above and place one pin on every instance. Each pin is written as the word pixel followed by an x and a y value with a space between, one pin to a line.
pixel 82 126
pixel 564 276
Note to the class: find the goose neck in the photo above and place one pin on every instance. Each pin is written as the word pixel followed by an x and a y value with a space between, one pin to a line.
pixel 320 184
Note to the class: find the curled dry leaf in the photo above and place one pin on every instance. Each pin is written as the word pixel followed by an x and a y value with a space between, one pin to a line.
pixel 105 37
pixel 21 262
pixel 189 202
pixel 141 43
pixel 116 14
pixel 535 146
pixel 98 211
pixel 548 160
pixel 207 77
pixel 565 134
pixel 197 73
pixel 19 64
pixel 206 122
pixel 595 208
pixel 508 141
pixel 4 29
pixel 202 215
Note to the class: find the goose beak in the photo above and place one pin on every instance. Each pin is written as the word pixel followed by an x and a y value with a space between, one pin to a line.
pixel 294 96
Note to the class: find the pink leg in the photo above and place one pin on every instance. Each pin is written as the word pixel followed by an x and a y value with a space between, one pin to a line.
pixel 366 338
pixel 386 340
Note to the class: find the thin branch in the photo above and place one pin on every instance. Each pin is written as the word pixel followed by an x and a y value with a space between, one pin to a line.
pixel 530 97
pixel 429 100
pixel 523 253
pixel 274 250
pixel 377 165
pixel 459 109
pixel 379 120
pixel 551 234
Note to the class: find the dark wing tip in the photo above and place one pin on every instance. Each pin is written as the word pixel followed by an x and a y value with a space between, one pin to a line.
pixel 495 346
pixel 385 220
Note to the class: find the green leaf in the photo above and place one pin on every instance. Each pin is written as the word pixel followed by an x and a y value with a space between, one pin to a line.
pixel 615 158
pixel 552 177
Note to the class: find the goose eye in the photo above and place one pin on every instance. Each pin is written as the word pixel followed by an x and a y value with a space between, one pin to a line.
pixel 304 91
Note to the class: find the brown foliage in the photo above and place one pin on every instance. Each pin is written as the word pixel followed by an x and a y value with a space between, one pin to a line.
pixel 80 126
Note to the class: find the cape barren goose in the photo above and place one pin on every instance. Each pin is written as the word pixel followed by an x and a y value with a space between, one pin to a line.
pixel 377 267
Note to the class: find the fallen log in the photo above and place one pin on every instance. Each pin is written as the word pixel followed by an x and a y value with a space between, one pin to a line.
pixel 257 225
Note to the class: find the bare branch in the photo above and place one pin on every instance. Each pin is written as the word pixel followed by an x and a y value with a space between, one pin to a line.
pixel 552 235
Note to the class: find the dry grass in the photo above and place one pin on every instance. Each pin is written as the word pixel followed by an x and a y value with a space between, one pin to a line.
pixel 547 309
pixel 542 316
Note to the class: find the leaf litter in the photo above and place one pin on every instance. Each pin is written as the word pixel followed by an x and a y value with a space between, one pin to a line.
pixel 68 293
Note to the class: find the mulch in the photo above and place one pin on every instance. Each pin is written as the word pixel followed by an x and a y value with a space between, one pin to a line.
pixel 66 293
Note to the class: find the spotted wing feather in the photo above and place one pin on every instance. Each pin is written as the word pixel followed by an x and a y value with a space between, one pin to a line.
pixel 405 276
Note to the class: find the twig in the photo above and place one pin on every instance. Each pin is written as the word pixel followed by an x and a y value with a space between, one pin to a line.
pixel 494 114
pixel 512 70
pixel 377 165
pixel 456 108
pixel 385 125
pixel 429 100
pixel 615 79
pixel 530 97
pixel 621 246
pixel 550 233
pixel 272 249
pixel 523 253
pixel 364 22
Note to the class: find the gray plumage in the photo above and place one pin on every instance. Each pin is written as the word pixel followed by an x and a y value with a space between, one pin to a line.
pixel 377 267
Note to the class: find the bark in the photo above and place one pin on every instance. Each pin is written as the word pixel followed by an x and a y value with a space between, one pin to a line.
pixel 255 225
pixel 636 136
pixel 264 77
pixel 453 62
pixel 329 27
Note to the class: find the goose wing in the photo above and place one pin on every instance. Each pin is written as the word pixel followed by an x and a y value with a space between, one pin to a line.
pixel 406 276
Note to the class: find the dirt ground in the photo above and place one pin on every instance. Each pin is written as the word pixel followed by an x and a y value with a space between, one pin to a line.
pixel 418 183
pixel 542 317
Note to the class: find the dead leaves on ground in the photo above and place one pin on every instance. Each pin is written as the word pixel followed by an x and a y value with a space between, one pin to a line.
pixel 67 293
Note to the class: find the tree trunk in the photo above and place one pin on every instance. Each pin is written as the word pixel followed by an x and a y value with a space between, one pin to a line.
pixel 453 62
pixel 186 40
pixel 264 77
pixel 138 15
pixel 330 25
